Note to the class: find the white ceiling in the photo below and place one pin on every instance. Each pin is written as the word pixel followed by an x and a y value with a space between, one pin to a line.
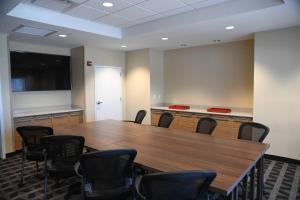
pixel 141 23
pixel 124 13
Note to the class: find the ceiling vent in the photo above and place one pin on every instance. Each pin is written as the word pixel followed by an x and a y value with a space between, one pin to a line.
pixel 33 31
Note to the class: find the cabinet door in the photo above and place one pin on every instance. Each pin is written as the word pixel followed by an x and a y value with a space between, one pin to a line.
pixel 60 120
pixel 18 122
pixel 75 118
pixel 188 122
pixel 155 115
pixel 42 120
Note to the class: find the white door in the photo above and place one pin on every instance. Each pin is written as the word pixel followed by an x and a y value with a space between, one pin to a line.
pixel 108 93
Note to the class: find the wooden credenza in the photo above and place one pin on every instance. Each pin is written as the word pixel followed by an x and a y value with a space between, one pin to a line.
pixel 50 120
pixel 227 127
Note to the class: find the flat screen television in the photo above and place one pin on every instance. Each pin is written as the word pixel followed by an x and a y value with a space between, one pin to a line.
pixel 39 72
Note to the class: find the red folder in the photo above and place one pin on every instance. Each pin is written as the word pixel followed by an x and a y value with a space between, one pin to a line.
pixel 219 110
pixel 179 107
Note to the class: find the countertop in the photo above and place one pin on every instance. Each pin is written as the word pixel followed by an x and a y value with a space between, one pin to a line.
pixel 25 112
pixel 237 112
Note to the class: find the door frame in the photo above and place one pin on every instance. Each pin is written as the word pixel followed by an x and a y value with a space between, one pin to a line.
pixel 122 87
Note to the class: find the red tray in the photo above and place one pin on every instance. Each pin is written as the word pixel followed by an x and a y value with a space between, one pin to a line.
pixel 219 110
pixel 179 107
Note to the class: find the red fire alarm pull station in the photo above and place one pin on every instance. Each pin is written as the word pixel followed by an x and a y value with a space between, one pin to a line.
pixel 89 63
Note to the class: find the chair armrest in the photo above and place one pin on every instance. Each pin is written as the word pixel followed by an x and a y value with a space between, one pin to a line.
pixel 76 168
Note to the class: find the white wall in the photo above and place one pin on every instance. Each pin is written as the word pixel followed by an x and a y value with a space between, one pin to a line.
pixel 219 75
pixel 41 98
pixel 99 57
pixel 156 76
pixel 277 89
pixel 5 114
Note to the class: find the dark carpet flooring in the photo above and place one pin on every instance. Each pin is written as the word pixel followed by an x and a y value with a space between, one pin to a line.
pixel 282 181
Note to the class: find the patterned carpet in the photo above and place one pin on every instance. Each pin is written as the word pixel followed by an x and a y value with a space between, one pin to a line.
pixel 282 181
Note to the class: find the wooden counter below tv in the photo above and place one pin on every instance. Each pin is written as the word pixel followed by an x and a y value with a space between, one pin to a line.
pixel 228 125
pixel 51 119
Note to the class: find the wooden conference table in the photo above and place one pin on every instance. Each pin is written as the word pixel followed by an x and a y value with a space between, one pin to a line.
pixel 171 150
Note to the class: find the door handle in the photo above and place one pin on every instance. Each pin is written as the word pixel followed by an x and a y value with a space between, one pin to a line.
pixel 99 102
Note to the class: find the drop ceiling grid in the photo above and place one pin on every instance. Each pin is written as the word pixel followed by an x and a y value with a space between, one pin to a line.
pixel 126 13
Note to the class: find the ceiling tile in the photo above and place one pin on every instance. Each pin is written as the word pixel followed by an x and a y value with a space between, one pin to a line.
pixel 135 1
pixel 160 6
pixel 192 1
pixel 177 11
pixel 134 12
pixel 202 4
pixel 53 5
pixel 78 1
pixel 113 20
pixel 118 5
pixel 142 20
pixel 86 12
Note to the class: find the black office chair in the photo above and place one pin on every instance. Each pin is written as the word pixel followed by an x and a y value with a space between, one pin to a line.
pixel 139 117
pixel 186 185
pixel 165 120
pixel 206 125
pixel 108 174
pixel 31 146
pixel 253 131
pixel 61 154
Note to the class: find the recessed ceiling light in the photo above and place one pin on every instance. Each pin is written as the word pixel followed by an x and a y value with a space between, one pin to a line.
pixel 124 46
pixel 108 4
pixel 229 27
pixel 62 35
pixel 164 38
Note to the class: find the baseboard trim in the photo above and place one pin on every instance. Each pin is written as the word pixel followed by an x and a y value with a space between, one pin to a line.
pixel 13 153
pixel 282 159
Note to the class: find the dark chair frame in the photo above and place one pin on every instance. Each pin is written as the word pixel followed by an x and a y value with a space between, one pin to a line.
pixel 26 147
pixel 109 153
pixel 211 120
pixel 161 118
pixel 255 125
pixel 136 120
pixel 180 176
pixel 46 157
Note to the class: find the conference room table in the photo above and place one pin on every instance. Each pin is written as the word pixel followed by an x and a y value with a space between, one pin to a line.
pixel 169 150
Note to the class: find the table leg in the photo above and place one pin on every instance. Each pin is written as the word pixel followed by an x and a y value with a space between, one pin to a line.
pixel 260 178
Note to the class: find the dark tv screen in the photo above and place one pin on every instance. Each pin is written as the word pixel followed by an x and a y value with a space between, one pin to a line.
pixel 39 72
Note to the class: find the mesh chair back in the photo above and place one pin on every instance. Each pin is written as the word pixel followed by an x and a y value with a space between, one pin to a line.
pixel 165 120
pixel 140 116
pixel 187 185
pixel 63 148
pixel 253 131
pixel 206 125
pixel 108 170
pixel 31 135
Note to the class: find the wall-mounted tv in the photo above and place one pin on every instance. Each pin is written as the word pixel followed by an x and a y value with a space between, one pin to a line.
pixel 39 72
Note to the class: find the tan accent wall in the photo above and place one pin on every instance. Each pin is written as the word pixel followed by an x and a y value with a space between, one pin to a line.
pixel 219 75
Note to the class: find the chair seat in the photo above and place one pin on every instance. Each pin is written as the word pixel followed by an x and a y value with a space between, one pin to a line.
pixel 35 156
pixel 105 193
pixel 62 169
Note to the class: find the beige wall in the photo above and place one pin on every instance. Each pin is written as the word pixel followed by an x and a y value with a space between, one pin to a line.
pixel 137 76
pixel 219 75
pixel 42 98
pixel 100 57
pixel 277 89
pixel 5 115
pixel 156 64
